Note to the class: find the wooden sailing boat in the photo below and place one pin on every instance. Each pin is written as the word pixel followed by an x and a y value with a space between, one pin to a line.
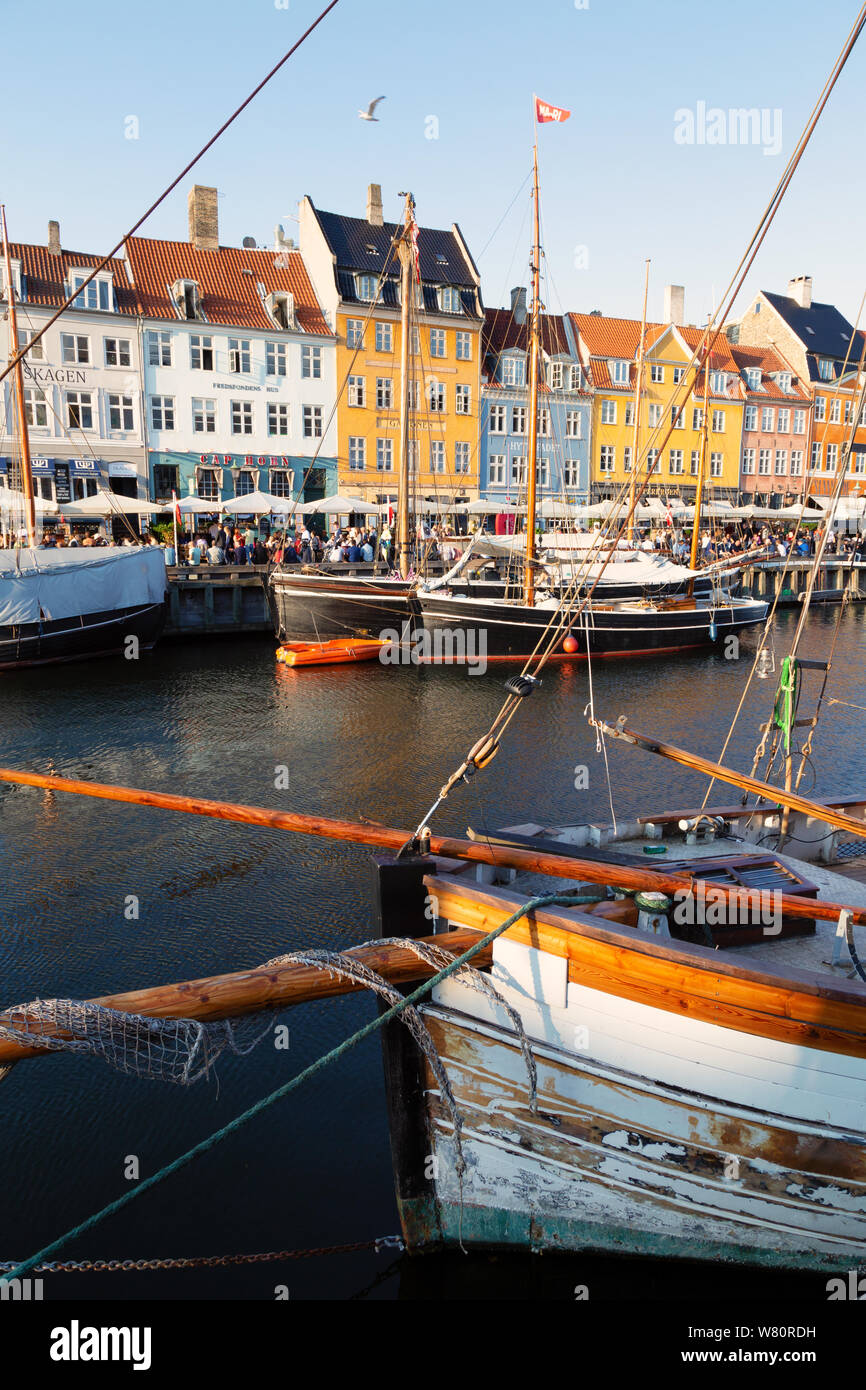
pixel 67 605
pixel 650 618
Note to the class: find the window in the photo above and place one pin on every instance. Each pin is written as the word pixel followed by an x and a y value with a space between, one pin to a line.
pixel 626 458
pixel 496 470
pixel 120 416
pixel 679 373
pixel 695 462
pixel 384 337
pixel 187 299
pixel 278 418
pixel 497 419
pixel 652 459
pixel 203 416
pixel 796 462
pixel 275 359
pixel 244 483
pixel 518 419
pixel 282 482
pixel 719 383
pixel 354 333
pixel 784 421
pixel 413 394
pixel 816 456
pixel 414 459
pixel 748 461
pixel 832 457
pixel 384 393
pixel 629 413
pixel 201 353
pixel 858 462
pixel 620 372
pixel 513 371
pixel 768 416
pixel 449 300
pixel 781 463
pixel 312 422
pixel 242 417
pixel 678 417
pixel 542 473
pixel 716 465
pixel 118 352
pixel 576 379
pixel 820 407
pixel 753 378
pixel 93 296
pixel 518 471
pixel 784 380
pixel 208 489
pixel 416 342
pixel 654 413
pixel 764 459
pixel 464 347
pixel 607 459
pixel 74 347
pixel 544 422
pixel 37 353
pixel 311 361
pixel 573 424
pixel 571 472
pixel 357 453
pixel 825 368
pixel 162 412
pixel 799 422
pixel 438 343
pixel 835 411
pixel 750 418
pixel 463 399
pixel 356 391
pixel 280 306
pixel 608 412
pixel 436 397
pixel 657 372
pixel 848 411
pixel 462 457
pixel 239 355
pixel 367 287
pixel 718 422
pixel 35 407
pixel 437 456
pixel 158 349
pixel 79 410
pixel 556 373
pixel 676 460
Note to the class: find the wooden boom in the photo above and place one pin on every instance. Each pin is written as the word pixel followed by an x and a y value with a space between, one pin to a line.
pixel 528 860
pixel 267 986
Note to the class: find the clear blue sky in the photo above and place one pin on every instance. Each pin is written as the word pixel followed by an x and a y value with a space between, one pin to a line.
pixel 614 180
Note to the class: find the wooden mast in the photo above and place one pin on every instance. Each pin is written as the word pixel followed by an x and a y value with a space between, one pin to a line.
pixel 405 250
pixel 696 524
pixel 23 434
pixel 638 396
pixel 529 584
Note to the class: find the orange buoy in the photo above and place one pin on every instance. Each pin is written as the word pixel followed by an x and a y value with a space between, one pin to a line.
pixel 570 644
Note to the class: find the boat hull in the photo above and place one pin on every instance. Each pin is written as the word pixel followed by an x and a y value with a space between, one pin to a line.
pixel 321 606
pixel 80 638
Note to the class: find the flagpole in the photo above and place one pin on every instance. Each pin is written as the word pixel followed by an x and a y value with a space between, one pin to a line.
pixel 174 523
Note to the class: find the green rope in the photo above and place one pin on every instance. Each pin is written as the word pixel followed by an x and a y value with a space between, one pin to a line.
pixel 787 699
pixel 544 900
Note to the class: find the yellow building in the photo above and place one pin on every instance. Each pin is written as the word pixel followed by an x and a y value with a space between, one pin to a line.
pixel 609 350
pixel 354 267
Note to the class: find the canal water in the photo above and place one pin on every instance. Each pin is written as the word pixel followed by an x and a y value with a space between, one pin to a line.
pixel 219 719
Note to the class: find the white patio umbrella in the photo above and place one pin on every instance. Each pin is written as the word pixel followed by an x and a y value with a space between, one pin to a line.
pixel 105 503
pixel 484 507
pixel 198 506
pixel 256 504
pixel 338 504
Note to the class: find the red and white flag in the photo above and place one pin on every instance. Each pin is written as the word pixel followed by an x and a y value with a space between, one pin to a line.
pixel 413 233
pixel 177 516
pixel 545 112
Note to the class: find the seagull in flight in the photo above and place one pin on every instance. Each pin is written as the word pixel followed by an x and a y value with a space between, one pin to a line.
pixel 368 114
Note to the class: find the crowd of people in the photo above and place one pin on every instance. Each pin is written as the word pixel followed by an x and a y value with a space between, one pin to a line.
pixel 744 539
pixel 223 544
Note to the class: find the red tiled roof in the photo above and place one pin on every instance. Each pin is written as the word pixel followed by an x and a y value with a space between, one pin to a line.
pixel 502 331
pixel 721 358
pixel 604 337
pixel 769 361
pixel 46 277
pixel 229 296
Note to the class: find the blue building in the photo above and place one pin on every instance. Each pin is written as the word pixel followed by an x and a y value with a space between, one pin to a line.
pixel 564 409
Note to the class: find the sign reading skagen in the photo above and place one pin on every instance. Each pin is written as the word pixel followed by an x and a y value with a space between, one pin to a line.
pixel 61 376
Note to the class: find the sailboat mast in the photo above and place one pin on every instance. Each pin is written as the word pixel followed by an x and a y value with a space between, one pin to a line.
pixel 702 466
pixel 638 396
pixel 405 250
pixel 529 584
pixel 23 434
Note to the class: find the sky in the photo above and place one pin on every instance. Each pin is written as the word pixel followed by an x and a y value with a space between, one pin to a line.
pixel 636 173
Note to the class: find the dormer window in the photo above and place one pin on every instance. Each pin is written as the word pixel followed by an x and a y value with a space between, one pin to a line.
pixel 187 299
pixel 784 380
pixel 281 307
pixel 513 371
pixel 371 249
pixel 556 376
pixel 16 278
pixel 753 378
pixel 825 368
pixel 96 295
pixel 719 383
pixel 449 300
pixel 367 287
pixel 620 372
pixel 440 259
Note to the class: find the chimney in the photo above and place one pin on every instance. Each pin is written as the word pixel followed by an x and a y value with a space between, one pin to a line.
pixel 675 304
pixel 54 238
pixel 518 304
pixel 801 291
pixel 203 218
pixel 374 205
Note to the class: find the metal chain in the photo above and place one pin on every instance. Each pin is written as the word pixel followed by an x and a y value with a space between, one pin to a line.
pixel 206 1261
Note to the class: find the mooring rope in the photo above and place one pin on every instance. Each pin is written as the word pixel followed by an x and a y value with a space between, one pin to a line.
pixel 566 899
